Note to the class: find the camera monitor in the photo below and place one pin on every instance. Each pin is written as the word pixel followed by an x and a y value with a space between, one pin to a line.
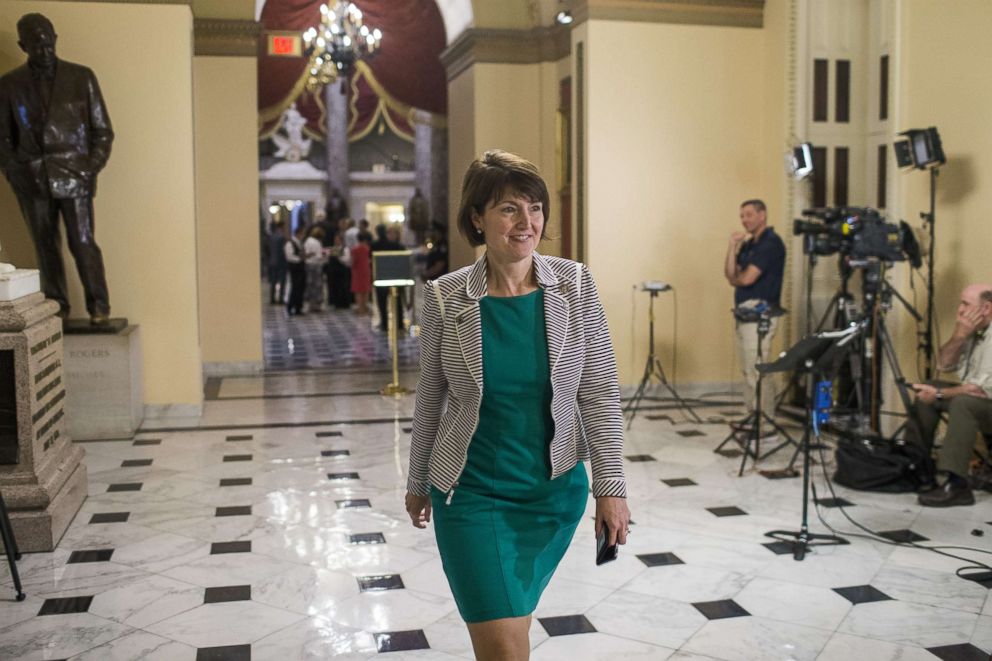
pixel 392 268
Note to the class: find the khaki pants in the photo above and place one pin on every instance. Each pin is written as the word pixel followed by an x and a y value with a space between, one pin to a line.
pixel 966 417
pixel 747 350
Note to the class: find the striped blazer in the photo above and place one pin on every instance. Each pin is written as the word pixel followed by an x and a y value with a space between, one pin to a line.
pixel 585 403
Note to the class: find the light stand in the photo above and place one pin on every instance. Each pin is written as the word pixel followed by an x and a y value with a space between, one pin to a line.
pixel 930 219
pixel 653 368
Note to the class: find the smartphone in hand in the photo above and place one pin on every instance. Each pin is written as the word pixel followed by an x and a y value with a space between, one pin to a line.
pixel 604 552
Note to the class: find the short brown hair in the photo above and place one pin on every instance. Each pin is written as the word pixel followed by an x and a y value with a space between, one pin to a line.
pixel 757 204
pixel 488 178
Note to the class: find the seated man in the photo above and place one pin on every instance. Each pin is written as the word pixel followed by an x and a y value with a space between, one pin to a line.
pixel 969 409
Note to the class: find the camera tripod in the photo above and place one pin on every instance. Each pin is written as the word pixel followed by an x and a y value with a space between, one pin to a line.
pixel 752 425
pixel 654 370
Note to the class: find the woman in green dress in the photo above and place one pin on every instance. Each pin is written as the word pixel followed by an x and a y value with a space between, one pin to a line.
pixel 518 386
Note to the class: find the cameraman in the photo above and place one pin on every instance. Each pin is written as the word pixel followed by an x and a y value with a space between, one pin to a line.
pixel 968 407
pixel 754 266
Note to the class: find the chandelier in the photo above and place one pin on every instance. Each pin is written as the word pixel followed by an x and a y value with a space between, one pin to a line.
pixel 341 39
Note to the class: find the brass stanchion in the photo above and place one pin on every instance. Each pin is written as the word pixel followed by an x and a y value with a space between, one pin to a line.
pixel 394 389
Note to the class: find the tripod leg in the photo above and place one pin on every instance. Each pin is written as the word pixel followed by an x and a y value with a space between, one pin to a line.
pixel 635 401
pixel 671 389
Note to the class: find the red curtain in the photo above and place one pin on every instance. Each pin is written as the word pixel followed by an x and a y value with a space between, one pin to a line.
pixel 405 74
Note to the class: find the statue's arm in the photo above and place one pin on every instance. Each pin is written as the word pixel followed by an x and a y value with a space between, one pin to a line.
pixel 101 132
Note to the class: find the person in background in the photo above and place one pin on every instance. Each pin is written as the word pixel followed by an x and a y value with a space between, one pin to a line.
pixel 387 239
pixel 361 272
pixel 293 249
pixel 277 262
pixel 313 257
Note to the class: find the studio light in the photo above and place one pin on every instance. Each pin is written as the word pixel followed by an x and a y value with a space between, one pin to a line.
pixel 921 149
pixel 799 162
pixel 564 17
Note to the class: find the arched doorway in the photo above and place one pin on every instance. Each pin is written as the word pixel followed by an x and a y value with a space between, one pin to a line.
pixel 355 149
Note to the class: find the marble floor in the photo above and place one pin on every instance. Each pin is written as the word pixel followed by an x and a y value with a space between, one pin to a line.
pixel 328 338
pixel 273 528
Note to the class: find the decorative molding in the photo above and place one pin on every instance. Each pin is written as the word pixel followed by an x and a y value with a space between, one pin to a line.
pixel 731 13
pixel 477 45
pixel 226 37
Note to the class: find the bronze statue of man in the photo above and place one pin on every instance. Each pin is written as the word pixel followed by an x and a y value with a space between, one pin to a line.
pixel 55 136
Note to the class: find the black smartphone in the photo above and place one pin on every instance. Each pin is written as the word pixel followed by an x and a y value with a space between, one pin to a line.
pixel 605 553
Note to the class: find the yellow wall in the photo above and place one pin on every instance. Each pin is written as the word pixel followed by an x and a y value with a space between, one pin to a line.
pixel 512 107
pixel 142 56
pixel 227 209
pixel 943 81
pixel 676 139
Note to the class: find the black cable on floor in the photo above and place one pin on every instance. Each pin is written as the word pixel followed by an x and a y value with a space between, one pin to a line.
pixel 875 536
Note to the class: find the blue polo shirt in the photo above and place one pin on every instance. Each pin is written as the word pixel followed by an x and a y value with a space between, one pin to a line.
pixel 768 254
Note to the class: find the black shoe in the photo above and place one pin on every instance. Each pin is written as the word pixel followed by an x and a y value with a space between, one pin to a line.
pixel 947 495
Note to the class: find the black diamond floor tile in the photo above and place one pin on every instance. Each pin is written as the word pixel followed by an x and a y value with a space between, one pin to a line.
pixel 378 583
pixel 833 502
pixel 730 454
pixel 230 547
pixel 779 474
pixel 239 437
pixel 342 476
pixel 237 510
pixel 862 594
pixel 689 433
pixel 660 416
pixel 65 606
pixel 779 548
pixel 640 457
pixel 679 482
pixel 97 555
pixel 368 538
pixel 224 653
pixel 110 517
pixel 983 578
pixel 134 463
pixel 235 482
pixel 237 457
pixel 566 625
pixel 124 486
pixel 959 652
pixel 408 430
pixel 326 434
pixel 660 559
pixel 335 453
pixel 401 641
pixel 227 593
pixel 903 535
pixel 726 511
pixel 718 610
pixel 357 502
pixel 148 441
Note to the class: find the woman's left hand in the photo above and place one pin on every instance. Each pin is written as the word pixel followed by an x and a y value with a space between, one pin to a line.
pixel 614 514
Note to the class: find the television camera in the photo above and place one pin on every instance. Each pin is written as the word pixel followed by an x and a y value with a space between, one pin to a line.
pixel 860 233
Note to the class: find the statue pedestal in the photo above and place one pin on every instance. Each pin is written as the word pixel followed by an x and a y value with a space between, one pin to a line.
pixel 104 383
pixel 42 477
pixel 18 283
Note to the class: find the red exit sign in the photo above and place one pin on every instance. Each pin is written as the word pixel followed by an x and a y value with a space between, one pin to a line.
pixel 284 45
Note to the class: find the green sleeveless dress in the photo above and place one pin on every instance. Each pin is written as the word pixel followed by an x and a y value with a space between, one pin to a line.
pixel 508 525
